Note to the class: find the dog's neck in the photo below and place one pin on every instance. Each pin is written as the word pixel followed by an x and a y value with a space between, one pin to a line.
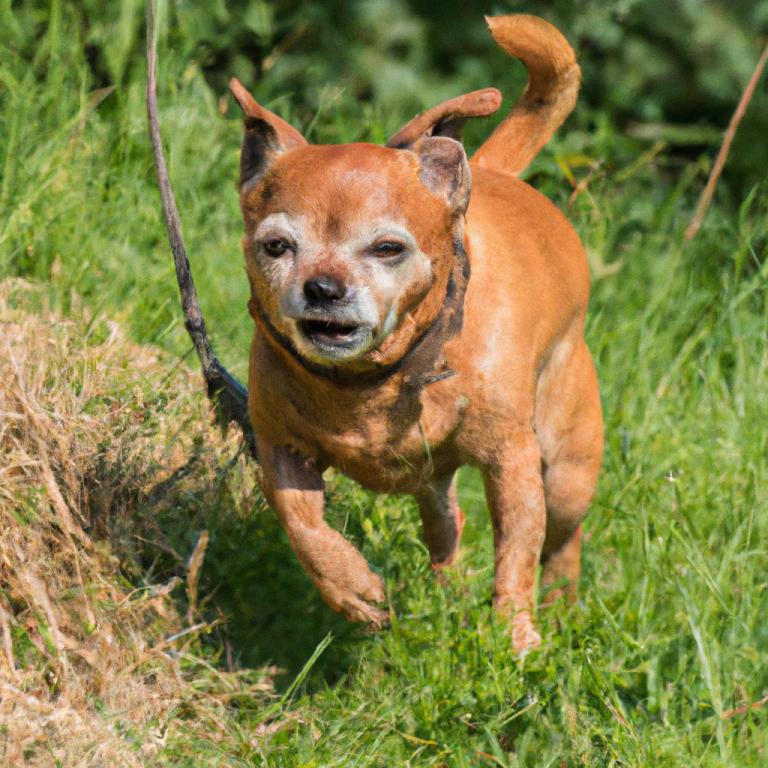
pixel 413 351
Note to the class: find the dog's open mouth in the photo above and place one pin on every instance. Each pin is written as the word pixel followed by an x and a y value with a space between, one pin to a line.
pixel 327 332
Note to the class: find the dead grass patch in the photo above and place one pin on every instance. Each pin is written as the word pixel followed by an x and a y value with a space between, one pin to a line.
pixel 97 667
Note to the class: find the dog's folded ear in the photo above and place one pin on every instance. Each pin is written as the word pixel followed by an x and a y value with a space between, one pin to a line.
pixel 265 137
pixel 447 119
pixel 444 170
pixel 435 137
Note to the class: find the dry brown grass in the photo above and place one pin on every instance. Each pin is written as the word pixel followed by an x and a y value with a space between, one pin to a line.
pixel 93 670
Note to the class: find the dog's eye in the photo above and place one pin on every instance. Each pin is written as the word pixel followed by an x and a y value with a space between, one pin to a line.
pixel 276 246
pixel 388 248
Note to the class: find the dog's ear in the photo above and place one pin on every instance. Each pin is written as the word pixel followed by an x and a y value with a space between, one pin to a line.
pixel 435 137
pixel 265 137
pixel 444 170
pixel 447 119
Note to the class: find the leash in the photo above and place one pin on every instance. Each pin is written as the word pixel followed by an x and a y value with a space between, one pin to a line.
pixel 229 396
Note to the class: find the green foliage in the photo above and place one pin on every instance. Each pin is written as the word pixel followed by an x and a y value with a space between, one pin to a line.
pixel 669 632
pixel 661 61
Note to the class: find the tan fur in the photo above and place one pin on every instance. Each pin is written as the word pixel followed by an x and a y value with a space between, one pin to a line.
pixel 554 79
pixel 511 390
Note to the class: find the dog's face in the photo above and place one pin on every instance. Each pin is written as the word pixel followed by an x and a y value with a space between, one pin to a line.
pixel 343 243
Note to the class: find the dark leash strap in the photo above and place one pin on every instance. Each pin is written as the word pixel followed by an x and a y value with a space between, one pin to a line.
pixel 228 395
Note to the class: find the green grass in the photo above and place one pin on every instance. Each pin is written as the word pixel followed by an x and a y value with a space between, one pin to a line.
pixel 671 628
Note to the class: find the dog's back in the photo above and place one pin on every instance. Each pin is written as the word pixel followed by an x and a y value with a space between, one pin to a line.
pixel 529 270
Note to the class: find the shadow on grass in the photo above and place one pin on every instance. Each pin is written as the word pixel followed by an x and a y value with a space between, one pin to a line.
pixel 250 575
pixel 275 614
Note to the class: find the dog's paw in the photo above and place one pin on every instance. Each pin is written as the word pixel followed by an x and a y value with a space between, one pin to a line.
pixel 357 601
pixel 525 637
pixel 360 610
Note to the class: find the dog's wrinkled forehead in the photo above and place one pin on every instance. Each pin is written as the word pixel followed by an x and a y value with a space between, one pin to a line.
pixel 338 188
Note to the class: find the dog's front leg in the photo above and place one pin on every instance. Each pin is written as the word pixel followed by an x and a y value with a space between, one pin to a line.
pixel 295 489
pixel 442 520
pixel 515 495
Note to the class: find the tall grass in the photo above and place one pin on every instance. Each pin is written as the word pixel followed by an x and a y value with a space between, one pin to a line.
pixel 669 639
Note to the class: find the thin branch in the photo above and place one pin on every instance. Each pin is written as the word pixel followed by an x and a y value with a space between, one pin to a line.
pixel 744 708
pixel 227 393
pixel 195 563
pixel 722 155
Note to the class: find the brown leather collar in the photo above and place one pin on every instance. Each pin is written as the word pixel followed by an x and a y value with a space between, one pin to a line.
pixel 422 364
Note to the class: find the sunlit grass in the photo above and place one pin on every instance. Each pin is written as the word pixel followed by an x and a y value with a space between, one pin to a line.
pixel 670 631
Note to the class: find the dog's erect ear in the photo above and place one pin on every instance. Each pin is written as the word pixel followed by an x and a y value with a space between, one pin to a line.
pixel 447 119
pixel 266 136
pixel 444 170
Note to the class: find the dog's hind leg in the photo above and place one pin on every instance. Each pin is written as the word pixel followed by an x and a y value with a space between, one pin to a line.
pixel 295 489
pixel 442 520
pixel 571 438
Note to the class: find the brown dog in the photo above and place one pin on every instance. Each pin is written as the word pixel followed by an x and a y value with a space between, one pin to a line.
pixel 405 328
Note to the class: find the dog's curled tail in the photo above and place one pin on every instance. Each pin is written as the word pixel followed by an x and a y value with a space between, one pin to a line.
pixel 553 85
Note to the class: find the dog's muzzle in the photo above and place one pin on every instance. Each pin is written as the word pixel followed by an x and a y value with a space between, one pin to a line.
pixel 332 321
pixel 333 338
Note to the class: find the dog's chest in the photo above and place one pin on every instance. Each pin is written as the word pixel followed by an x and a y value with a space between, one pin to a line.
pixel 390 440
pixel 388 455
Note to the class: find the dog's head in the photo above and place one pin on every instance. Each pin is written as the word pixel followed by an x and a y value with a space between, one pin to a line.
pixel 346 246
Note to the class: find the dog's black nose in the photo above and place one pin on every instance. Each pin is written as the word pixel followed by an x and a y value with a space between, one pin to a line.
pixel 323 289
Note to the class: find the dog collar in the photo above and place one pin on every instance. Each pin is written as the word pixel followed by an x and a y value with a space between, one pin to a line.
pixel 421 365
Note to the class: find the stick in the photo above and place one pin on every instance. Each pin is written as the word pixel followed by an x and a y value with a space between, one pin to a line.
pixel 228 395
pixel 722 155
pixel 744 708
pixel 195 563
